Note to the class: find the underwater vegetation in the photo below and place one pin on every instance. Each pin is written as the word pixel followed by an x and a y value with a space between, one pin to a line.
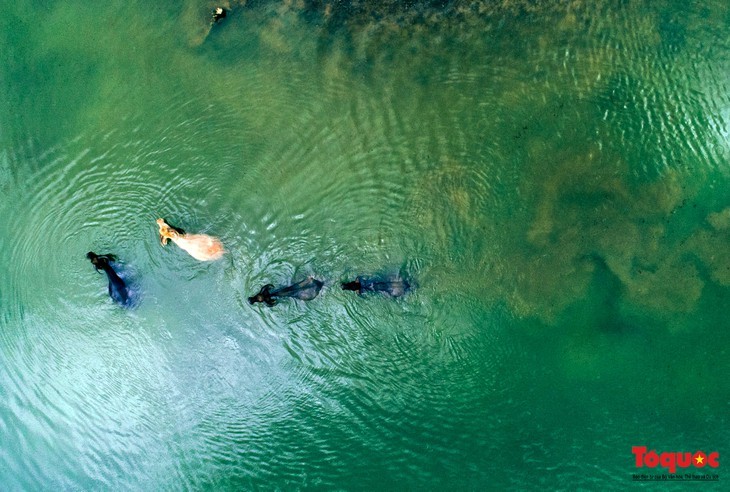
pixel 583 215
pixel 586 212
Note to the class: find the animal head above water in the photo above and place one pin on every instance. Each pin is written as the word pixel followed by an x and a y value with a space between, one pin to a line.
pixel 167 231
pixel 264 295
pixel 99 260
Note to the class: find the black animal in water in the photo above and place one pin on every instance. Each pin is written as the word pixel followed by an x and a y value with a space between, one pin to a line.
pixel 219 13
pixel 117 288
pixel 306 290
pixel 392 287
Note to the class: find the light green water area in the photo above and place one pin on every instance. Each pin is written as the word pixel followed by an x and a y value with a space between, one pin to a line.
pixel 552 177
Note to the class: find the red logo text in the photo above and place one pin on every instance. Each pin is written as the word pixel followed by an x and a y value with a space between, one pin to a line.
pixel 671 461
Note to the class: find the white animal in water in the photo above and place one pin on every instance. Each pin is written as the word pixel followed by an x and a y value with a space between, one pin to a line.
pixel 200 246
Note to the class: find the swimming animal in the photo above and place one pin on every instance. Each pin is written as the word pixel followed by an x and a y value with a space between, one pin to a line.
pixel 117 288
pixel 219 13
pixel 200 246
pixel 393 287
pixel 306 290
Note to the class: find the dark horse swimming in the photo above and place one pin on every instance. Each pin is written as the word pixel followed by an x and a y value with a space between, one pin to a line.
pixel 306 290
pixel 392 287
pixel 117 288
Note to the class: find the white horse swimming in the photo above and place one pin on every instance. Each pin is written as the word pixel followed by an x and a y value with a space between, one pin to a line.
pixel 200 246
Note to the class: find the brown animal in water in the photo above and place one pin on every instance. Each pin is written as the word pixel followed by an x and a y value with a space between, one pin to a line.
pixel 200 246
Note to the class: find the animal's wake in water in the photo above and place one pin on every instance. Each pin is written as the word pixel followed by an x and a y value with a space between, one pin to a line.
pixel 306 290
pixel 118 290
pixel 200 246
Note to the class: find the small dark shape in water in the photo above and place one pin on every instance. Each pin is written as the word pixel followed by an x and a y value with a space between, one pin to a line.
pixel 393 287
pixel 219 13
pixel 117 288
pixel 306 290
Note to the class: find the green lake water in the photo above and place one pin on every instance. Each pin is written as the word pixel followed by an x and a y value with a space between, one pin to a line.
pixel 552 177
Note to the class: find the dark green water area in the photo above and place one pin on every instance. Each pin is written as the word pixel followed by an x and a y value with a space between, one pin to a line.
pixel 552 176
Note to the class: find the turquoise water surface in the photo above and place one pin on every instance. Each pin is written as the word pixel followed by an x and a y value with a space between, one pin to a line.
pixel 552 177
